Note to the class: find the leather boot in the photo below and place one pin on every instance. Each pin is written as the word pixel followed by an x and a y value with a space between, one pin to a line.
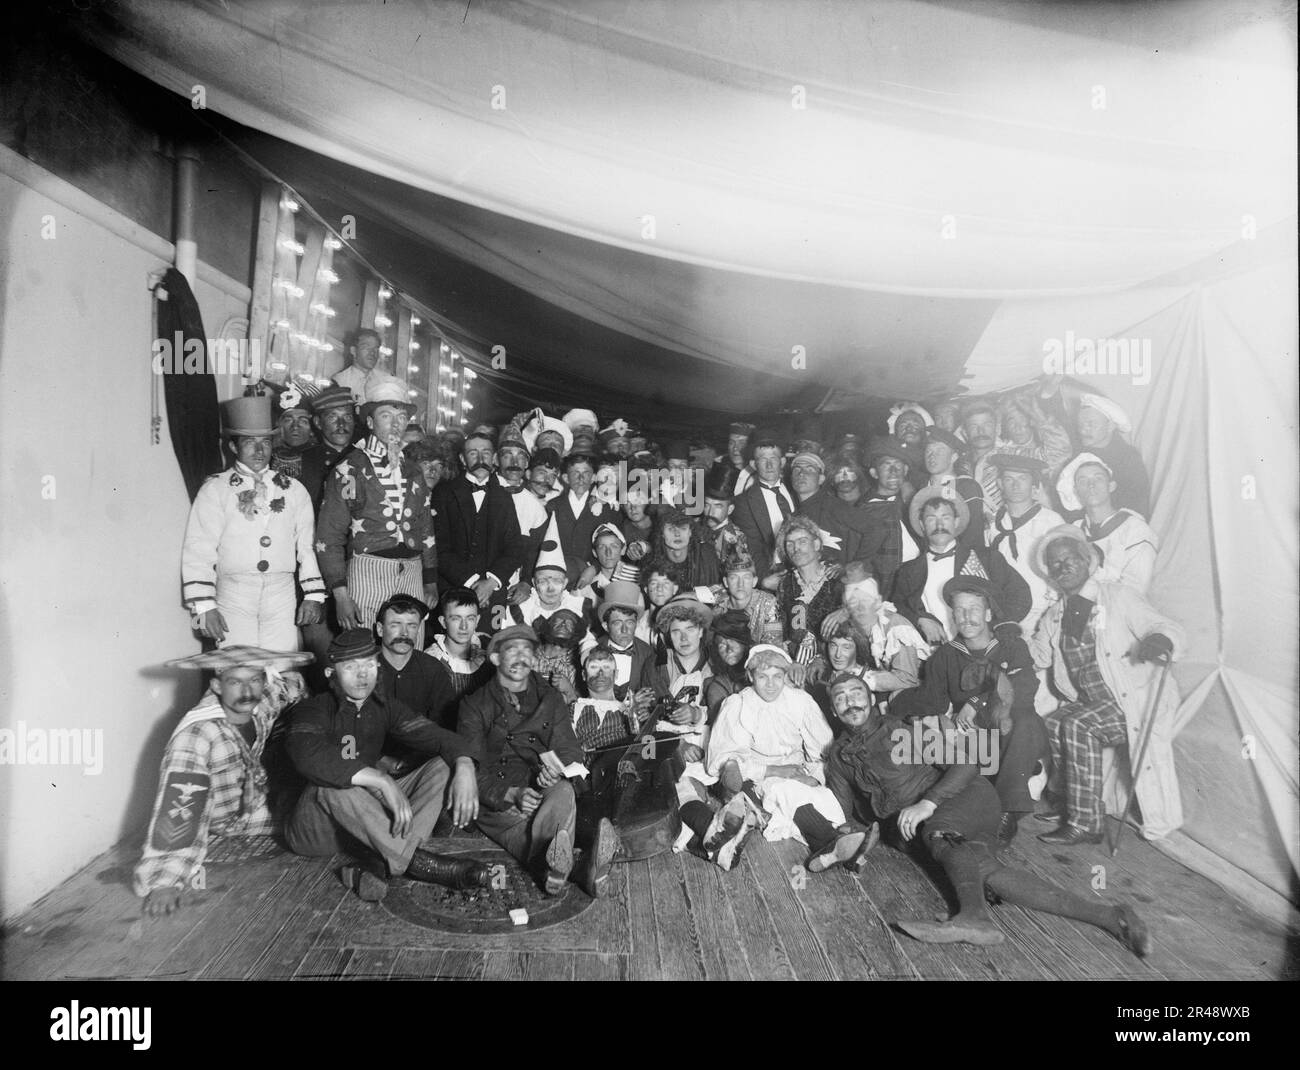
pixel 459 873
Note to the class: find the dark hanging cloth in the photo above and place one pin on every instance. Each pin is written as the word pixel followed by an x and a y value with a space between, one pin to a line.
pixel 192 413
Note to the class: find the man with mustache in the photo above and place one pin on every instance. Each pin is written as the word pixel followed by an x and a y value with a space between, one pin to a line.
pixel 250 531
pixel 513 462
pixel 942 516
pixel 477 527
pixel 335 423
pixel 212 781
pixel 979 424
pixel 953 812
pixel 407 674
pixel 375 536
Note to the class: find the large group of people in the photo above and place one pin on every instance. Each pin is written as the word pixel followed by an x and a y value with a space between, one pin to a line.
pixel 922 635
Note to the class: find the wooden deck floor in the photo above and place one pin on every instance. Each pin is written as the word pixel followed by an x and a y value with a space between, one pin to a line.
pixel 673 917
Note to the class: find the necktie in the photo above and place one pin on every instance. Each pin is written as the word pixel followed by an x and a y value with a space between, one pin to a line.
pixel 588 722
pixel 781 503
pixel 940 557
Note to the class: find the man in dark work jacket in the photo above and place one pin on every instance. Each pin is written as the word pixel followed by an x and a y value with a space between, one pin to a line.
pixel 336 739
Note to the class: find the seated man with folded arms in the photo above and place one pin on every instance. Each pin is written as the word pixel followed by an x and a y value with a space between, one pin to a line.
pixel 212 782
pixel 954 811
pixel 336 740
pixel 528 807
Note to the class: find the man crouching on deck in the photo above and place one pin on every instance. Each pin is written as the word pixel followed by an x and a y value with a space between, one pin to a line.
pixel 336 740
pixel 212 782
pixel 955 812
pixel 768 743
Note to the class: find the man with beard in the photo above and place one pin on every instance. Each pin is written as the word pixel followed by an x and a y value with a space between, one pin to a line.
pixel 765 504
pixel 212 781
pixel 336 740
pixel 249 532
pixel 979 424
pixel 919 585
pixel 335 423
pixel 953 811
pixel 1127 544
pixel 375 535
pixel 364 371
pixel 407 674
pixel 479 543
pixel 293 431
pixel 527 808
pixel 887 541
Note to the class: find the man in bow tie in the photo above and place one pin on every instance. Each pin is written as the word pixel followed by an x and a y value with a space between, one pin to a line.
pixel 763 506
pixel 942 516
pixel 250 529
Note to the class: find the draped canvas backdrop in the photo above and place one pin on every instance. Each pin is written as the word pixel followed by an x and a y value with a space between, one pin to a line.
pixel 656 204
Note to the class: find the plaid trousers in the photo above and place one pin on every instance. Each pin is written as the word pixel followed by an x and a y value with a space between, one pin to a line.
pixel 1083 728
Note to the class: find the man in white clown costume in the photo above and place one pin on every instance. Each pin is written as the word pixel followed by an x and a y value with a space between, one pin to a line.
pixel 549 591
pixel 250 531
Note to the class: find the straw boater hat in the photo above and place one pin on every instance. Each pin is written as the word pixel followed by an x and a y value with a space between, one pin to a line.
pixel 944 493
pixel 387 391
pixel 233 657
pixel 1065 481
pixel 247 416
pixel 1072 533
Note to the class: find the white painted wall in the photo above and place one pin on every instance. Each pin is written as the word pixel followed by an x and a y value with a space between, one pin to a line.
pixel 89 577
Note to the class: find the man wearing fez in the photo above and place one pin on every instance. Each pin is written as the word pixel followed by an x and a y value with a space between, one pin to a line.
pixel 1125 541
pixel 212 782
pixel 336 740
pixel 1104 643
pixel 953 811
pixel 989 685
pixel 479 542
pixel 375 535
pixel 335 422
pixel 249 531
pixel 887 541
pixel 918 587
pixel 528 807
pixel 765 504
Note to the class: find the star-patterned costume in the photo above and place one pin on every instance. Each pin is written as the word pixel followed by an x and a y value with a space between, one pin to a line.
pixel 376 528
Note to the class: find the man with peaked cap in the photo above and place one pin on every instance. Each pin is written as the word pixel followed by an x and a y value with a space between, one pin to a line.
pixel 375 533
pixel 293 429
pixel 212 782
pixel 336 740
pixel 1104 645
pixel 335 422
pixel 979 426
pixel 941 516
pixel 1126 542
pixel 765 504
pixel 943 450
pixel 1015 526
pixel 887 540
pixel 249 532
pixel 528 808
pixel 1100 423
pixel 952 811
pixel 988 684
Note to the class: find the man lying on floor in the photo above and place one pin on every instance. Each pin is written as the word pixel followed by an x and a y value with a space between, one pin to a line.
pixel 336 741
pixel 876 777
pixel 212 781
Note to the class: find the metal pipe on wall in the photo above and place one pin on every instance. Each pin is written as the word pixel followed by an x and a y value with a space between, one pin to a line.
pixel 187 178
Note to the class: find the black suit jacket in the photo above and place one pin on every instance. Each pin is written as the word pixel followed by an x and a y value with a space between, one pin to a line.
pixel 1009 587
pixel 472 542
pixel 751 517
pixel 576 532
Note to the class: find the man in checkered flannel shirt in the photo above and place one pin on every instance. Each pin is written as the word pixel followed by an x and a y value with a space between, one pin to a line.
pixel 212 782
